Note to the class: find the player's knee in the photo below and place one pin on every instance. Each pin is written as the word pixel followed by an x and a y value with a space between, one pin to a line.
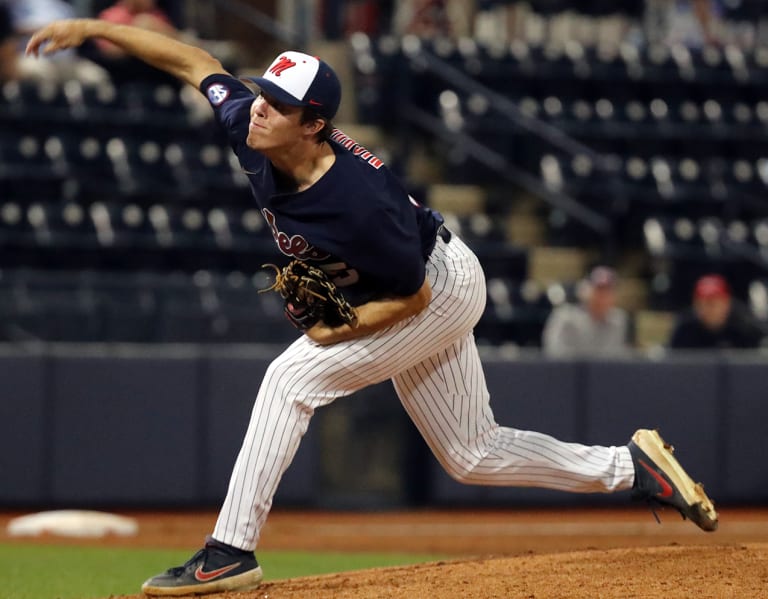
pixel 285 383
pixel 286 371
pixel 459 475
pixel 277 378
pixel 461 472
pixel 465 460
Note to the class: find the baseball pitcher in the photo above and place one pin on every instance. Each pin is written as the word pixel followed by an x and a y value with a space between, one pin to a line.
pixel 396 297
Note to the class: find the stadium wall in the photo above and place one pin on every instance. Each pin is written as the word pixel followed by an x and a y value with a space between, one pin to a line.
pixel 148 426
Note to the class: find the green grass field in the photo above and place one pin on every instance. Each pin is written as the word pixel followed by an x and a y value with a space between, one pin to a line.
pixel 68 572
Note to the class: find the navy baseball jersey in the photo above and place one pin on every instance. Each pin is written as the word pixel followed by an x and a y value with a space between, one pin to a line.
pixel 357 222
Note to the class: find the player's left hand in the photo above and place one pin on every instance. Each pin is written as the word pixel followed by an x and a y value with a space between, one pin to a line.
pixel 322 334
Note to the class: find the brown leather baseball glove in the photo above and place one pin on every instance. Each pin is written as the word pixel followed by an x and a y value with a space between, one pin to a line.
pixel 310 296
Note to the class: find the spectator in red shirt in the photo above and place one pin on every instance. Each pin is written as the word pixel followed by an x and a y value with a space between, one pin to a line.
pixel 122 67
pixel 716 320
pixel 140 13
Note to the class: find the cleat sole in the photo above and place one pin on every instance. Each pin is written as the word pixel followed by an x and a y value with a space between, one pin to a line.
pixel 701 508
pixel 247 581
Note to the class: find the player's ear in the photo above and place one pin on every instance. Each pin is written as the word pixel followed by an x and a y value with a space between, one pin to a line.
pixel 314 126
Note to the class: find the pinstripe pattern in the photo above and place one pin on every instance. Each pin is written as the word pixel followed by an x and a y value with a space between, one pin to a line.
pixel 436 370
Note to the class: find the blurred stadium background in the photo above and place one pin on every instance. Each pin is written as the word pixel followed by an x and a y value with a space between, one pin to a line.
pixel 553 135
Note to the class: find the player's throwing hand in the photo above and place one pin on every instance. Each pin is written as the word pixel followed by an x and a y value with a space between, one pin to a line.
pixel 57 36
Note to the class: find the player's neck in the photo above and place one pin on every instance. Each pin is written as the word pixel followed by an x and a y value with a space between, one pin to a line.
pixel 304 164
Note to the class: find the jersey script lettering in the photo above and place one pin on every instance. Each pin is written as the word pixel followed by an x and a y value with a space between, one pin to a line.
pixel 295 246
pixel 350 144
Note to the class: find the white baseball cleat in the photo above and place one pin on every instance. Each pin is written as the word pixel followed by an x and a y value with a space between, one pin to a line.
pixel 660 478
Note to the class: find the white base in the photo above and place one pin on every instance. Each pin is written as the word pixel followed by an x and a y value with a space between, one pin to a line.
pixel 72 523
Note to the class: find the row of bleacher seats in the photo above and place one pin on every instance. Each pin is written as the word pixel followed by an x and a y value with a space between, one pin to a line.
pixel 136 104
pixel 699 94
pixel 571 58
pixel 574 66
pixel 634 185
pixel 139 306
pixel 215 306
pixel 220 224
pixel 84 164
pixel 182 235
pixel 683 249
pixel 661 118
pixel 660 232
pixel 205 306
pixel 659 171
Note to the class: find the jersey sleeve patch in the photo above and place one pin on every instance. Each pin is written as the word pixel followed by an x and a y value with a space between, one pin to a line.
pixel 217 93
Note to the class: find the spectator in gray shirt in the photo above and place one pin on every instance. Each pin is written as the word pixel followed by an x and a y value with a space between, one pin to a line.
pixel 595 326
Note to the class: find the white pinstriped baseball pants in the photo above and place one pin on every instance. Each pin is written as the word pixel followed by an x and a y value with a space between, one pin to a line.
pixel 436 370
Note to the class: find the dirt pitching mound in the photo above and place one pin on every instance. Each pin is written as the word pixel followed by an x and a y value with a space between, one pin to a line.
pixel 506 554
pixel 676 572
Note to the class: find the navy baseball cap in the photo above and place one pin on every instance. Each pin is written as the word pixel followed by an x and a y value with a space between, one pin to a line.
pixel 298 79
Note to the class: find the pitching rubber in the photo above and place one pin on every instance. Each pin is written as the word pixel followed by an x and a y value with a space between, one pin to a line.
pixel 692 493
pixel 247 581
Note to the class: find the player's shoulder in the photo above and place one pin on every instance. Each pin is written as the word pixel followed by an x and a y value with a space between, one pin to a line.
pixel 350 148
pixel 223 87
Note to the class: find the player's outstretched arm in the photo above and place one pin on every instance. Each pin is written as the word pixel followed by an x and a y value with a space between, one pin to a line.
pixel 373 316
pixel 187 63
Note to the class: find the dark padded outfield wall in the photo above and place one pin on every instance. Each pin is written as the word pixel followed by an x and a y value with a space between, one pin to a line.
pixel 231 382
pixel 153 426
pixel 126 428
pixel 24 428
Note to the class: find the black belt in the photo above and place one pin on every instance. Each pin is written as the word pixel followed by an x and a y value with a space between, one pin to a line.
pixel 444 234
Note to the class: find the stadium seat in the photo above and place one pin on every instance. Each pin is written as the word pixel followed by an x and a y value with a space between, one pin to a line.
pixel 515 312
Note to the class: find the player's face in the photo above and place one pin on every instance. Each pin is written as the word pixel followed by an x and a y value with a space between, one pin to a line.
pixel 273 124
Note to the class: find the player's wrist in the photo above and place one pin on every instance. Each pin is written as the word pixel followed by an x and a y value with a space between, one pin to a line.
pixel 91 28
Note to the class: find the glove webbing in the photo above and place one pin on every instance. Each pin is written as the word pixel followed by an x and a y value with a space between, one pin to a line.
pixel 286 278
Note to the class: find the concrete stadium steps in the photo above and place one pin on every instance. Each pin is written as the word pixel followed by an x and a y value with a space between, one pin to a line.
pixel 460 200
pixel 558 264
pixel 652 328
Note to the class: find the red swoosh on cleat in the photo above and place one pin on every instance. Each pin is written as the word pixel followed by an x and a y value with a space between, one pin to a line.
pixel 666 488
pixel 208 576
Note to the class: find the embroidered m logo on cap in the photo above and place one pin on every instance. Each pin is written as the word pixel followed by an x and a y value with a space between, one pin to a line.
pixel 298 79
pixel 280 65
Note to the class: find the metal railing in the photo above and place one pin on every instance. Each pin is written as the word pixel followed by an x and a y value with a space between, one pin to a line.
pixel 421 60
pixel 498 163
